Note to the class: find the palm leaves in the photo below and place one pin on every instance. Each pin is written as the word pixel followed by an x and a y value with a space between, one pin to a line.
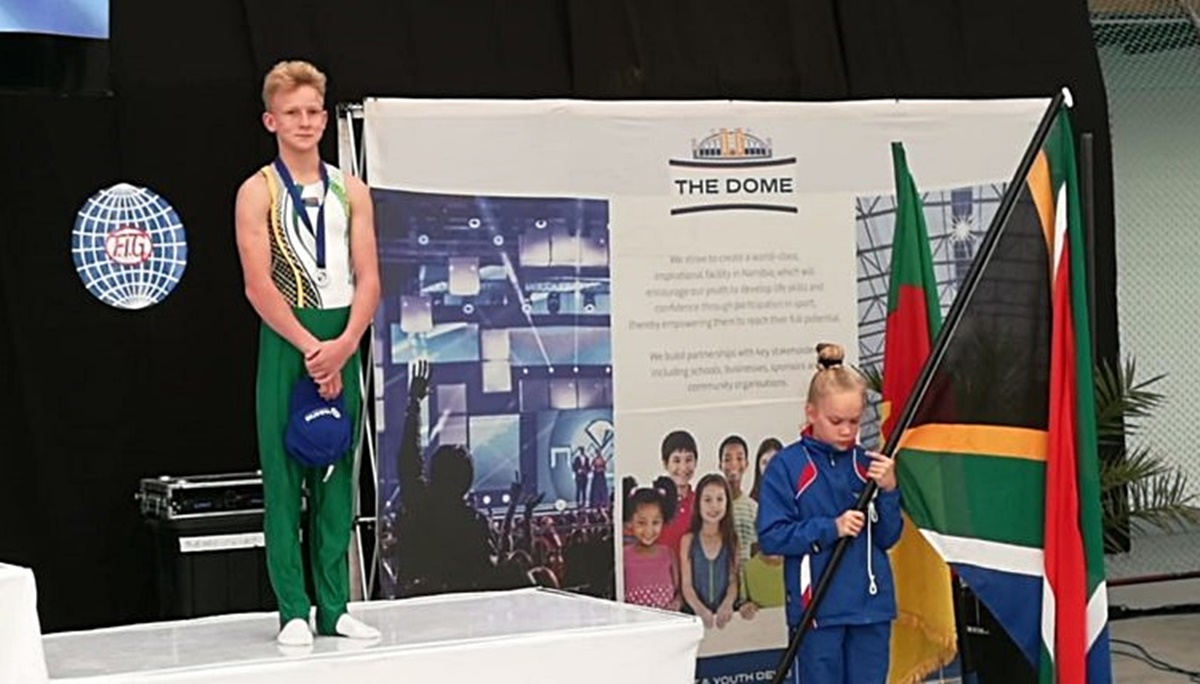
pixel 1137 485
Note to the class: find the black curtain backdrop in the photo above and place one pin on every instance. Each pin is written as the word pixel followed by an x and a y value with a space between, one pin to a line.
pixel 98 398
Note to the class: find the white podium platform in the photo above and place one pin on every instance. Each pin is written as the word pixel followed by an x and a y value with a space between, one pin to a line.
pixel 20 635
pixel 524 636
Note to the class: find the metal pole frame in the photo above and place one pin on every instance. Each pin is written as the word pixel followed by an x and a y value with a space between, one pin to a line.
pixel 353 159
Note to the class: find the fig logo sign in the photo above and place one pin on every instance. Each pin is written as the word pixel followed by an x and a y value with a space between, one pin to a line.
pixel 129 247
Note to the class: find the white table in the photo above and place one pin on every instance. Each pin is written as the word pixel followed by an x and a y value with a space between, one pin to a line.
pixel 21 658
pixel 527 636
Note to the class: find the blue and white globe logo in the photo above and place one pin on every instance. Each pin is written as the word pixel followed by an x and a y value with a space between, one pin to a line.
pixel 129 247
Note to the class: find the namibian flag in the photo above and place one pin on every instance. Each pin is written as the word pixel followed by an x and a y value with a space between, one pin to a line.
pixel 999 463
pixel 923 637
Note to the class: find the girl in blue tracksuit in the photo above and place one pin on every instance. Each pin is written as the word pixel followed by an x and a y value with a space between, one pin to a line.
pixel 806 503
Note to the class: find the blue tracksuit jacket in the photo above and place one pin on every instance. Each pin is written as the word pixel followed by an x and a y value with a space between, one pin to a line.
pixel 805 488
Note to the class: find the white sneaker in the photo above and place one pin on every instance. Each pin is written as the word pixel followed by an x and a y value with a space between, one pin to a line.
pixel 300 651
pixel 295 633
pixel 353 628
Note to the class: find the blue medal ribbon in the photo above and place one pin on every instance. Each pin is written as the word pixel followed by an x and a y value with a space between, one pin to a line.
pixel 298 204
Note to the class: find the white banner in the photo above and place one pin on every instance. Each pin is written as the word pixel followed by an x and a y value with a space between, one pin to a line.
pixel 658 269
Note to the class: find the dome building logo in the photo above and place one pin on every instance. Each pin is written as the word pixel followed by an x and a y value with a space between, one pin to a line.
pixel 734 169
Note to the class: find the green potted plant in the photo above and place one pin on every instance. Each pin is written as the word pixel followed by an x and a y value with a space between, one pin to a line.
pixel 1138 486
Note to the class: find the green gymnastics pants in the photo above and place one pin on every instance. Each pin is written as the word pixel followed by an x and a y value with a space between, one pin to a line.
pixel 330 502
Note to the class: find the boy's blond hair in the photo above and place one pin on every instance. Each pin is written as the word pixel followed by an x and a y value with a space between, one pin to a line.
pixel 289 75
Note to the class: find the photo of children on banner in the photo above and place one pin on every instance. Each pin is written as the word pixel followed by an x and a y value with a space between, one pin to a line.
pixel 679 462
pixel 763 573
pixel 733 461
pixel 698 551
pixel 807 502
pixel 446 545
pixel 651 568
pixel 708 555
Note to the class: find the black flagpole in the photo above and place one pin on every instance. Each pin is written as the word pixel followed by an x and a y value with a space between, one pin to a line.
pixel 926 378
